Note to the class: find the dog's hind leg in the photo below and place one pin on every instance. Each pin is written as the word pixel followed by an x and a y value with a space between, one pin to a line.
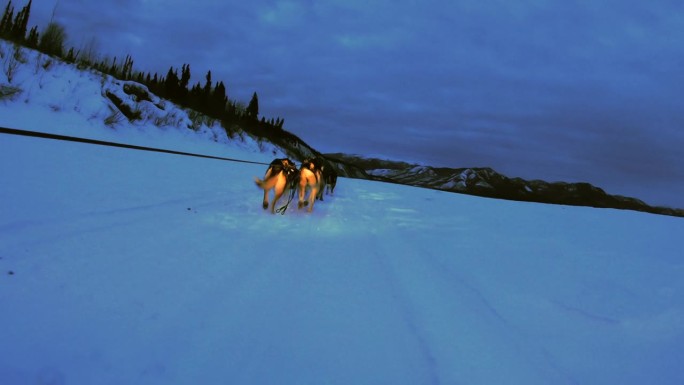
pixel 319 194
pixel 266 184
pixel 278 194
pixel 278 190
pixel 265 203
pixel 302 190
pixel 312 198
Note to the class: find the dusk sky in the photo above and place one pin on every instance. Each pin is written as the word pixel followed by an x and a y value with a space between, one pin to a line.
pixel 555 90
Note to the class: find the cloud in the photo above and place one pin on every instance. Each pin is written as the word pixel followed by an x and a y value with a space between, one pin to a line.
pixel 367 41
pixel 283 14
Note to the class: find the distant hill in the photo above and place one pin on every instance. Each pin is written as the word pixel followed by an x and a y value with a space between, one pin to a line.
pixel 487 182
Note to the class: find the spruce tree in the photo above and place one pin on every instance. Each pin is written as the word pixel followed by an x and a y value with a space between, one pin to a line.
pixel 32 40
pixel 185 76
pixel 171 85
pixel 207 86
pixel 6 25
pixel 218 100
pixel 253 107
pixel 183 85
pixel 21 23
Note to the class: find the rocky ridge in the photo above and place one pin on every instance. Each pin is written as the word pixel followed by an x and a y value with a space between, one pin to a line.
pixel 486 182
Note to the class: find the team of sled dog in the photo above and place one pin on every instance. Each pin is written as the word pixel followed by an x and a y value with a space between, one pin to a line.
pixel 282 176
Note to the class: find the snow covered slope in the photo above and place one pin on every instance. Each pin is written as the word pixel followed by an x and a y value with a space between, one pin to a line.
pixel 129 267
pixel 40 93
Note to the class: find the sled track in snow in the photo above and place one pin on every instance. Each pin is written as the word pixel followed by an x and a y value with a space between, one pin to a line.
pixel 44 135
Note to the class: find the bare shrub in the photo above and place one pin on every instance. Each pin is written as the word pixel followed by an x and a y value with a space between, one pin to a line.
pixel 52 39
pixel 88 54
pixel 11 62
pixel 47 64
pixel 167 120
pixel 198 119
pixel 8 92
pixel 114 118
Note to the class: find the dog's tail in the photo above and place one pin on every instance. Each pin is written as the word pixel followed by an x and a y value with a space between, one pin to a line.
pixel 259 182
pixel 267 183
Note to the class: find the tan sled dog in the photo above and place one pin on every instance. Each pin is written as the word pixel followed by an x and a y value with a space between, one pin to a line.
pixel 279 177
pixel 310 178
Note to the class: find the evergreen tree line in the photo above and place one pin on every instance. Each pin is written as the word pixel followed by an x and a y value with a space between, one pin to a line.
pixel 210 98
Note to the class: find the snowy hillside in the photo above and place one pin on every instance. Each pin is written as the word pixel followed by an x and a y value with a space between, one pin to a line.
pixel 43 94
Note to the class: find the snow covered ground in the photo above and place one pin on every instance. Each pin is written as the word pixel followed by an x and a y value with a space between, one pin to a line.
pixel 128 267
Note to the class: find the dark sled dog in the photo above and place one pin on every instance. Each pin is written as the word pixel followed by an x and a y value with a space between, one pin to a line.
pixel 330 180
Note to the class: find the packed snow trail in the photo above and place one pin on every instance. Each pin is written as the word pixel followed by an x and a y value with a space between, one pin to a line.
pixel 132 267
